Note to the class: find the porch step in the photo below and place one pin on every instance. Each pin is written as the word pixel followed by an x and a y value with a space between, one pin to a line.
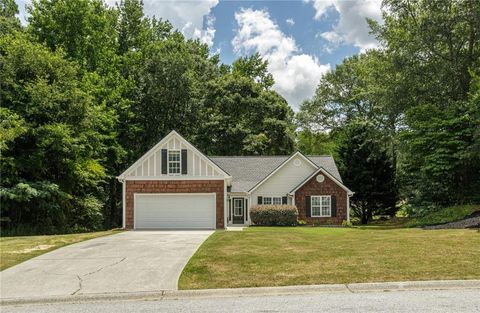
pixel 235 228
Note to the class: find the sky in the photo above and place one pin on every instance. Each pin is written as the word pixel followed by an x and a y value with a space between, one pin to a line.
pixel 301 40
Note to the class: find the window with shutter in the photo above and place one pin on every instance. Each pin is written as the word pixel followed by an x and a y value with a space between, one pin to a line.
pixel 321 206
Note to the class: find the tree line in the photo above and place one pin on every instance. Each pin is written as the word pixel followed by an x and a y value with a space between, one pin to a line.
pixel 404 118
pixel 86 89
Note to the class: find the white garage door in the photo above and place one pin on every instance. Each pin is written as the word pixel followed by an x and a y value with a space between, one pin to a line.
pixel 174 211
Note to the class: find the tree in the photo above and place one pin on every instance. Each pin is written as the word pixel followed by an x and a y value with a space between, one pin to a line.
pixel 320 143
pixel 365 165
pixel 84 29
pixel 8 21
pixel 434 50
pixel 255 68
pixel 51 180
pixel 242 118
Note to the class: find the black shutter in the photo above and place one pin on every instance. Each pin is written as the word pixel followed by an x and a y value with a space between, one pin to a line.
pixel 260 200
pixel 164 161
pixel 284 200
pixel 334 206
pixel 246 209
pixel 308 208
pixel 184 161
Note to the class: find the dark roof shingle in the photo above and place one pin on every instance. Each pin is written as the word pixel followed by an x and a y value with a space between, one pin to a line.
pixel 247 171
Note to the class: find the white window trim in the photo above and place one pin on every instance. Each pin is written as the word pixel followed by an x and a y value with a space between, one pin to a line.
pixel 179 162
pixel 320 206
pixel 242 207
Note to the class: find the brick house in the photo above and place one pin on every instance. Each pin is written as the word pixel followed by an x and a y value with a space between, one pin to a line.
pixel 174 185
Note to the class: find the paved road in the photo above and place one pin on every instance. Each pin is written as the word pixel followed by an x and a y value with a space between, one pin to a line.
pixel 132 261
pixel 458 301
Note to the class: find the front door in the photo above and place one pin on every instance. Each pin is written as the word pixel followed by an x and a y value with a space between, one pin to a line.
pixel 238 211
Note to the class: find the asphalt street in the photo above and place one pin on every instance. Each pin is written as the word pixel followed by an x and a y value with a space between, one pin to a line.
pixel 454 300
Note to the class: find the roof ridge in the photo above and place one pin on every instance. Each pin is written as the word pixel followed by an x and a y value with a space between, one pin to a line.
pixel 248 156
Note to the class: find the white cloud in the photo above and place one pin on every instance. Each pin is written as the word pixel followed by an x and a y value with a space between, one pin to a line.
pixel 351 27
pixel 290 21
pixel 186 15
pixel 296 75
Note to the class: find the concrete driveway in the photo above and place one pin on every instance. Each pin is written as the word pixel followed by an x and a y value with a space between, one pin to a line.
pixel 132 261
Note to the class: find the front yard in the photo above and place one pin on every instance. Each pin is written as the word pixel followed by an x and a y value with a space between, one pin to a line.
pixel 15 250
pixel 261 256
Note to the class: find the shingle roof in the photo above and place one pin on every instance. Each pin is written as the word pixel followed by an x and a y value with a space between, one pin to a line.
pixel 247 171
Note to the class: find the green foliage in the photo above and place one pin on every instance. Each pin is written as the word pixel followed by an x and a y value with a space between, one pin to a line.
pixel 320 143
pixel 274 215
pixel 8 21
pixel 84 29
pixel 54 139
pixel 301 222
pixel 241 118
pixel 366 167
pixel 443 215
pixel 255 68
pixel 437 167
pixel 346 223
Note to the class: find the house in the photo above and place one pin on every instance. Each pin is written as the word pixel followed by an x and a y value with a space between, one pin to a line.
pixel 174 185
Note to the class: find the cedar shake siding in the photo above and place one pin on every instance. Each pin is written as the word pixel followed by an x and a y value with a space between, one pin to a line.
pixel 174 186
pixel 327 187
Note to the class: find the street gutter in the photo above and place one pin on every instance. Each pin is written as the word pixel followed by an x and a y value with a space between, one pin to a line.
pixel 249 292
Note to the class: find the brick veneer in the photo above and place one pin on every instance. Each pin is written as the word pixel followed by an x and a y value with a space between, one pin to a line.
pixel 174 186
pixel 314 188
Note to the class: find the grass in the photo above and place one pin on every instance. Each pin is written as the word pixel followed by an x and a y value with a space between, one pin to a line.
pixel 18 249
pixel 445 215
pixel 261 256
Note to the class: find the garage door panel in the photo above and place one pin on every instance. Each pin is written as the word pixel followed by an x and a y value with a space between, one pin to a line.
pixel 174 211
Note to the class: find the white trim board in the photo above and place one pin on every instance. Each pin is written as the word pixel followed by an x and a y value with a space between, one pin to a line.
pixel 324 171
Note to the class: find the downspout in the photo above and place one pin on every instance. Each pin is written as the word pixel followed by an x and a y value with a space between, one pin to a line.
pixel 348 207
pixel 124 188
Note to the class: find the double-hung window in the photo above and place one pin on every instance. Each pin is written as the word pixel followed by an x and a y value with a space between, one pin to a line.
pixel 321 206
pixel 272 200
pixel 174 165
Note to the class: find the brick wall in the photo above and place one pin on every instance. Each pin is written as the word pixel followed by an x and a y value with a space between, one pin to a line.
pixel 174 186
pixel 327 187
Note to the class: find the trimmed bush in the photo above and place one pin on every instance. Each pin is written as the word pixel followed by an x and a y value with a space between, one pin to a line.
pixel 274 215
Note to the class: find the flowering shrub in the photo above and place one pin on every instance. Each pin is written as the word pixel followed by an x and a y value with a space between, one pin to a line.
pixel 274 215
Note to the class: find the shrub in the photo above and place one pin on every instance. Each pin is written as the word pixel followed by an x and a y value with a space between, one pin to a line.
pixel 346 223
pixel 274 215
pixel 302 222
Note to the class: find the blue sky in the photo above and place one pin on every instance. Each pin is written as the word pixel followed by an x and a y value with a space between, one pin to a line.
pixel 301 40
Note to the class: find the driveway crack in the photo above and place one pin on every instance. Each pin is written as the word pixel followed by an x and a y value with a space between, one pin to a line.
pixel 80 280
pixel 103 267
pixel 348 288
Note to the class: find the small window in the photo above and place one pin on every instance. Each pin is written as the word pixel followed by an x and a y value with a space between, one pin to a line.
pixel 272 200
pixel 174 164
pixel 321 206
pixel 277 200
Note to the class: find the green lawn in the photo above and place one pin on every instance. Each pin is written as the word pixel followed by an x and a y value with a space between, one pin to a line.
pixel 15 250
pixel 261 256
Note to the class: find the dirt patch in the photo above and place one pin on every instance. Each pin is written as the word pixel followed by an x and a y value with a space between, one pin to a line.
pixel 36 248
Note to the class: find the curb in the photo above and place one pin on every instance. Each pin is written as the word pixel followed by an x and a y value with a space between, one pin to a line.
pixel 255 291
